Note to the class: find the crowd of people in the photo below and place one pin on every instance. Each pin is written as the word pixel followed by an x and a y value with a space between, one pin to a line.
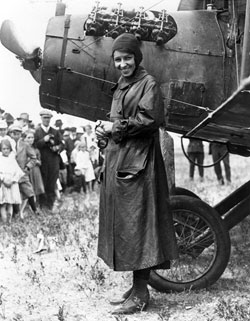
pixel 39 162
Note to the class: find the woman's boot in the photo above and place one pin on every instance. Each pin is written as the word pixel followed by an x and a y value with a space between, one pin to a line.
pixel 123 298
pixel 139 297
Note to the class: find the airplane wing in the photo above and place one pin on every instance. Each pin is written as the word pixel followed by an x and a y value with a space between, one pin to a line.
pixel 230 122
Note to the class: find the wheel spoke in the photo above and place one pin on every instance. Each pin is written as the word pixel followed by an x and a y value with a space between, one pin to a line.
pixel 196 245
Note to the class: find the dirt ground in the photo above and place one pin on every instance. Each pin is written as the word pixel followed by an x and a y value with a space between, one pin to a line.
pixel 67 282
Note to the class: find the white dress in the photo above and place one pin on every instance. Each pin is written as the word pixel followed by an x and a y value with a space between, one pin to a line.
pixel 84 164
pixel 10 172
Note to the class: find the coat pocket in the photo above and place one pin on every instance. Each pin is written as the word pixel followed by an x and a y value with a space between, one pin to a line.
pixel 125 176
pixel 133 158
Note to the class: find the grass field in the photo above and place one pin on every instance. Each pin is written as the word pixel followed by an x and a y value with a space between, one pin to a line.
pixel 68 282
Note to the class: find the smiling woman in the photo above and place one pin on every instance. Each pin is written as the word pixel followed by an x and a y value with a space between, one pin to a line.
pixel 136 231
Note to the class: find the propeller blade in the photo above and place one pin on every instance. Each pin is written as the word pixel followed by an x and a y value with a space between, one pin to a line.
pixel 11 40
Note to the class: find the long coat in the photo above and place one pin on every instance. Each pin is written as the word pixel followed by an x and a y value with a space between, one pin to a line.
pixel 26 158
pixel 25 155
pixel 35 175
pixel 135 226
pixel 50 160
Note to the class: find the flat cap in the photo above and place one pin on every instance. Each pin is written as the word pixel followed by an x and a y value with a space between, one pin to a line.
pixel 45 113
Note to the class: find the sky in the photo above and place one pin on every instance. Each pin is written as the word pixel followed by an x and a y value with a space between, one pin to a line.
pixel 19 91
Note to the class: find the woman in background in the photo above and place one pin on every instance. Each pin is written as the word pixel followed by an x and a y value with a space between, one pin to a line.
pixel 34 173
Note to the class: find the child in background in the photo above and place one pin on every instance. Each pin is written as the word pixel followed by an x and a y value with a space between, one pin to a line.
pixel 10 174
pixel 3 135
pixel 34 173
pixel 78 181
pixel 77 177
pixel 84 164
pixel 97 159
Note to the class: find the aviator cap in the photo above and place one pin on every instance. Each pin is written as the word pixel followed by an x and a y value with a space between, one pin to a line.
pixel 128 42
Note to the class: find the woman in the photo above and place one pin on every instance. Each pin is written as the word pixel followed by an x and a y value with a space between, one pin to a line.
pixel 26 159
pixel 34 173
pixel 136 228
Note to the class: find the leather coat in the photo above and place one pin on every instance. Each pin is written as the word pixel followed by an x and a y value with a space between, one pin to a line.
pixel 135 227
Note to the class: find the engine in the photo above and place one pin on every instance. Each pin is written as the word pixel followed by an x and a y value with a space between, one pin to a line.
pixel 154 26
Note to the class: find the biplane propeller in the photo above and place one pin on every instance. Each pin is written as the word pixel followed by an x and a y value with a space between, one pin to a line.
pixel 30 56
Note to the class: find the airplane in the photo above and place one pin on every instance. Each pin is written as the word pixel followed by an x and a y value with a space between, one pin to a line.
pixel 200 56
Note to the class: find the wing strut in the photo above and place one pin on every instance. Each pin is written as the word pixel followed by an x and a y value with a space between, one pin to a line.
pixel 245 65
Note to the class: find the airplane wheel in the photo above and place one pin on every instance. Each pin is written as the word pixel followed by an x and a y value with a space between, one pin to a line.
pixel 204 247
pixel 183 191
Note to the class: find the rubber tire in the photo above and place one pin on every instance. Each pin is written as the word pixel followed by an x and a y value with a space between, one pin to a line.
pixel 222 255
pixel 183 191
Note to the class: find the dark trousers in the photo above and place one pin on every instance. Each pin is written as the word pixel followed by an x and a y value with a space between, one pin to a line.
pixel 197 158
pixel 217 154
pixel 47 200
pixel 50 174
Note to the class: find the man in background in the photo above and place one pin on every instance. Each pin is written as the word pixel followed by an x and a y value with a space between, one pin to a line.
pixel 195 152
pixel 69 145
pixel 219 151
pixel 59 125
pixel 24 121
pixel 48 140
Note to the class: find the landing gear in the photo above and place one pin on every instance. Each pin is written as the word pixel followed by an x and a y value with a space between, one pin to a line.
pixel 204 247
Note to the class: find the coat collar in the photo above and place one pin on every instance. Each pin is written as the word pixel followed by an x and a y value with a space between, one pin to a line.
pixel 123 82
pixel 45 129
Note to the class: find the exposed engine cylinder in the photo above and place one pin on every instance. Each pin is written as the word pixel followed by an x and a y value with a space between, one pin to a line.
pixel 158 27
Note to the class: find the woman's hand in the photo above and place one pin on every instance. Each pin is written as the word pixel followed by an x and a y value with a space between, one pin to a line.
pixel 103 129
